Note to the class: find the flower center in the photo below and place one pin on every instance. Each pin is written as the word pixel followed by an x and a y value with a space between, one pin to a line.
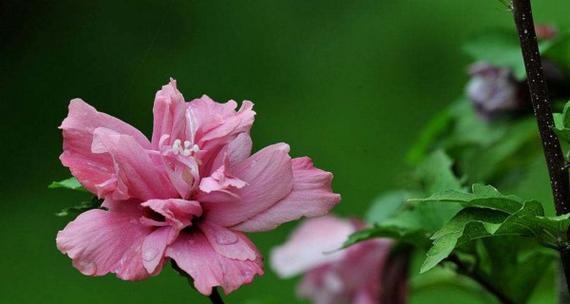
pixel 184 149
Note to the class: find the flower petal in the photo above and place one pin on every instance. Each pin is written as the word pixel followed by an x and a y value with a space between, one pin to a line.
pixel 154 246
pixel 169 115
pixel 137 175
pixel 311 196
pixel 218 121
pixel 314 243
pixel 177 211
pixel 194 254
pixel 101 242
pixel 233 153
pixel 269 178
pixel 231 244
pixel 216 124
pixel 94 171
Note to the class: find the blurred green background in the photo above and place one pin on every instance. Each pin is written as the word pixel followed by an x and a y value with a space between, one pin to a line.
pixel 349 83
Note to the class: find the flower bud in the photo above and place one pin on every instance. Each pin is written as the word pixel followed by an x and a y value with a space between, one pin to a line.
pixel 493 90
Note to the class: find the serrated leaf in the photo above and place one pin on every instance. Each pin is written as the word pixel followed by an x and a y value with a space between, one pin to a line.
pixel 488 213
pixel 71 183
pixel 413 225
pixel 464 227
pixel 482 196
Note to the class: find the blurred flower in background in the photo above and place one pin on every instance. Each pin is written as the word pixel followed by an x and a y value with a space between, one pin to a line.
pixel 493 90
pixel 361 274
pixel 497 86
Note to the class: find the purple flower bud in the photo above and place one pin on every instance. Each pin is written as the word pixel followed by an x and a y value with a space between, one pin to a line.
pixel 493 90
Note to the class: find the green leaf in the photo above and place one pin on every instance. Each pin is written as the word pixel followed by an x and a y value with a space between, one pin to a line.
pixel 500 48
pixel 428 136
pixel 387 205
pixel 562 123
pixel 482 196
pixel 71 183
pixel 488 213
pixel 82 207
pixel 465 226
pixel 558 51
pixel 413 225
pixel 513 264
pixel 488 160
pixel 436 174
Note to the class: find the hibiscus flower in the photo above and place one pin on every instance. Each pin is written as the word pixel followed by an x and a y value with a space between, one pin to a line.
pixel 188 194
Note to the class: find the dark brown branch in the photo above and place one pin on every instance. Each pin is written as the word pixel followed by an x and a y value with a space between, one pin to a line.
pixel 540 99
pixel 215 297
pixel 480 279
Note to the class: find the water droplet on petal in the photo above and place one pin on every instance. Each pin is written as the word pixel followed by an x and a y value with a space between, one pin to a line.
pixel 225 237
pixel 87 268
pixel 150 254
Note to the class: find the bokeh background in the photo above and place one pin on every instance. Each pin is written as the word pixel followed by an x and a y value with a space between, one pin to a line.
pixel 349 83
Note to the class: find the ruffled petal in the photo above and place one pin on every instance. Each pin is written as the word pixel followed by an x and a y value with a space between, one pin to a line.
pixel 94 171
pixel 154 246
pixel 194 254
pixel 176 211
pixel 169 115
pixel 311 196
pixel 231 244
pixel 269 178
pixel 233 153
pixel 216 124
pixel 137 176
pixel 101 242
pixel 212 121
pixel 314 243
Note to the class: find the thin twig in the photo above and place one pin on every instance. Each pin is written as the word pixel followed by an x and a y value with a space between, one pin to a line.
pixel 214 297
pixel 540 99
pixel 480 279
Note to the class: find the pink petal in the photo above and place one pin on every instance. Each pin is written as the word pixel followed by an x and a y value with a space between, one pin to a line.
pixel 311 196
pixel 177 211
pixel 94 171
pixel 233 153
pixel 231 244
pixel 221 179
pixel 169 114
pixel 314 243
pixel 218 121
pixel 216 124
pixel 269 178
pixel 194 254
pixel 154 246
pixel 101 242
pixel 356 278
pixel 137 175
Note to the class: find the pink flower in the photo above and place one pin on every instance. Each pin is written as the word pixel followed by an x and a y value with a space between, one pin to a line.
pixel 188 194
pixel 354 275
